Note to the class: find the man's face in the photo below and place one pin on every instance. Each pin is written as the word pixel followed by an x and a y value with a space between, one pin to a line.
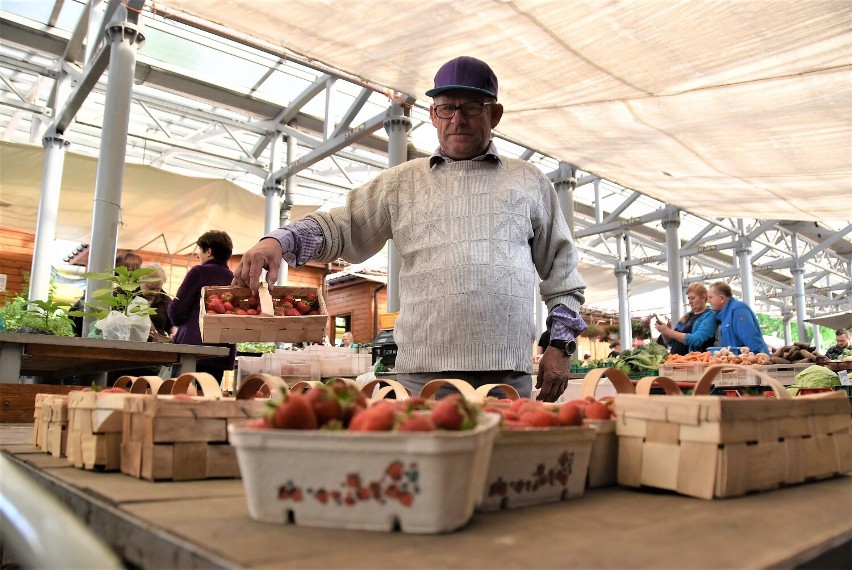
pixel 717 300
pixel 843 340
pixel 461 137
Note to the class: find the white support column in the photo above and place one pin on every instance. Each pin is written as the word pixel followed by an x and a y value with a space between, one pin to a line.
pixel 397 126
pixel 799 296
pixel 622 278
pixel 565 181
pixel 48 209
pixel 743 251
pixel 788 332
pixel 125 39
pixel 671 223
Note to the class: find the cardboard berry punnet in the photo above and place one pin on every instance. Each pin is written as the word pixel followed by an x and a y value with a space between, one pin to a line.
pixel 275 314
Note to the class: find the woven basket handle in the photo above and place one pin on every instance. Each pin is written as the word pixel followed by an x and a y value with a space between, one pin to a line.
pixel 125 382
pixel 399 391
pixel 702 387
pixel 619 380
pixel 208 384
pixel 483 391
pixel 142 384
pixel 464 388
pixel 670 387
pixel 255 383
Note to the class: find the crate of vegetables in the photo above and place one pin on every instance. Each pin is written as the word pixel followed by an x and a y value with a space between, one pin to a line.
pixel 328 458
pixel 275 314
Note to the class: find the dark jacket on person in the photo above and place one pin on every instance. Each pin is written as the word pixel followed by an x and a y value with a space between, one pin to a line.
pixel 184 308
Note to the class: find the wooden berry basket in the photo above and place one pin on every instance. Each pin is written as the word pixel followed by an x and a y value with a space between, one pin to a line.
pixel 265 327
pixel 183 438
pixel 709 446
pixel 603 463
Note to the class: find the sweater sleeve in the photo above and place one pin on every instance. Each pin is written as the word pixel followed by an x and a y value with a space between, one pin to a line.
pixel 187 295
pixel 554 252
pixel 702 331
pixel 358 230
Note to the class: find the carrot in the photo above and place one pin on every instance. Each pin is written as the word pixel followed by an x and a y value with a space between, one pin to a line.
pixel 705 357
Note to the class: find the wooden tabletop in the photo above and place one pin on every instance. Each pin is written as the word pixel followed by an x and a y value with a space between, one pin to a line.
pixel 206 524
pixel 46 355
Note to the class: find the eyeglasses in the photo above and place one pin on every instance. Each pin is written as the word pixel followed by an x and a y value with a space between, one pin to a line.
pixel 469 109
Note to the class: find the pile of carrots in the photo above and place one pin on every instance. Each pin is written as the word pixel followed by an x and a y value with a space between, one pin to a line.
pixel 690 357
pixel 723 356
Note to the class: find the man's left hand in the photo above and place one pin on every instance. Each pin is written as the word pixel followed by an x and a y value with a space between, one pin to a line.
pixel 554 370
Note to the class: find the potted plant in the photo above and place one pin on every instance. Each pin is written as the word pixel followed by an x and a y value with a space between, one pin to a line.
pixel 22 315
pixel 592 331
pixel 122 312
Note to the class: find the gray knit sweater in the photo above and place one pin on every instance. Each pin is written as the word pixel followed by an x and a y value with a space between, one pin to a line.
pixel 471 235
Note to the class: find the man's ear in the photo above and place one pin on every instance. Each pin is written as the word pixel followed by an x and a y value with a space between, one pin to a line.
pixel 496 114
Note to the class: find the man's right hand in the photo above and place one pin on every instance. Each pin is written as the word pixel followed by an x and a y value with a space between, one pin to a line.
pixel 266 254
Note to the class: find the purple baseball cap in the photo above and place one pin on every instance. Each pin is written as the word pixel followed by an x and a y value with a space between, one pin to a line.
pixel 465 72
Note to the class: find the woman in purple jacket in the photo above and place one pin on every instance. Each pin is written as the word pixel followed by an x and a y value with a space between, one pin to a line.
pixel 214 251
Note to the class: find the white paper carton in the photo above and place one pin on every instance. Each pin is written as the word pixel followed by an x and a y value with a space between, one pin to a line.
pixel 420 482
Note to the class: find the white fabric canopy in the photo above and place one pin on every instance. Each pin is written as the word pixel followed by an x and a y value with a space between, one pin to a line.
pixel 725 108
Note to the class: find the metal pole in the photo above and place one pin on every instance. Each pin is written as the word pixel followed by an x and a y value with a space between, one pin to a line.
pixel 565 182
pixel 743 251
pixel 671 223
pixel 48 209
pixel 799 296
pixel 106 215
pixel 622 276
pixel 397 126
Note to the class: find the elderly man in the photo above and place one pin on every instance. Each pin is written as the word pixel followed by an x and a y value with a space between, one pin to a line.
pixel 473 229
pixel 738 324
pixel 836 351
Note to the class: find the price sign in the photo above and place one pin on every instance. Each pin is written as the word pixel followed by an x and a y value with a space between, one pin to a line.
pixel 844 377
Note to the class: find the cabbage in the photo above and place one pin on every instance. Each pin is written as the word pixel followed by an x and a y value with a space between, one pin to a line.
pixel 814 376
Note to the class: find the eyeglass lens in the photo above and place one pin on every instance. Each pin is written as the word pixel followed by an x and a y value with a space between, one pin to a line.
pixel 469 109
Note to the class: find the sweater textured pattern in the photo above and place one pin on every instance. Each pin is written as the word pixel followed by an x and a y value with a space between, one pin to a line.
pixel 471 235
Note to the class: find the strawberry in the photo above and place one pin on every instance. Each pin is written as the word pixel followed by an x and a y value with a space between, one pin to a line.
pixel 302 307
pixel 227 297
pixel 540 418
pixel 570 415
pixel 229 308
pixel 454 413
pixel 289 299
pixel 292 313
pixel 251 312
pixel 379 417
pixel 294 412
pixel 216 305
pixel 326 406
pixel 597 411
pixel 239 311
pixel 417 422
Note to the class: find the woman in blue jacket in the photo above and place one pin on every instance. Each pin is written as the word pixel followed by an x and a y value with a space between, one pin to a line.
pixel 696 331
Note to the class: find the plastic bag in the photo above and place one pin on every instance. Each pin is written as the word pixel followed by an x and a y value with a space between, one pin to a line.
pixel 118 326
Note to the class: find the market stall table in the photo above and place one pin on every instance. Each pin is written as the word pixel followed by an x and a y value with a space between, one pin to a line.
pixel 206 524
pixel 61 356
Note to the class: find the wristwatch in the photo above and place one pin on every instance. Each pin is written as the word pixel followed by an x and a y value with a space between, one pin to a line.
pixel 569 347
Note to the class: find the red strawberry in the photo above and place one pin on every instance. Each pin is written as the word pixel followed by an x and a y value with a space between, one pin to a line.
pixel 251 312
pixel 454 413
pixel 292 313
pixel 302 307
pixel 417 422
pixel 326 406
pixel 239 311
pixel 294 412
pixel 379 417
pixel 540 418
pixel 570 415
pixel 228 306
pixel 597 411
pixel 289 299
pixel 216 305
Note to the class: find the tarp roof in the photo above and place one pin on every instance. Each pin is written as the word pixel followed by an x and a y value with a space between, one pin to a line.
pixel 710 106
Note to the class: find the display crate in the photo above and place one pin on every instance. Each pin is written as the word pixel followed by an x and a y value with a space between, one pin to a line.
pixel 707 446
pixel 784 373
pixel 55 424
pixel 262 328
pixel 683 371
pixel 425 483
